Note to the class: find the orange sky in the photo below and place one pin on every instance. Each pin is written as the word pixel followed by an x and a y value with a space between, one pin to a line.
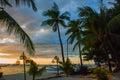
pixel 44 54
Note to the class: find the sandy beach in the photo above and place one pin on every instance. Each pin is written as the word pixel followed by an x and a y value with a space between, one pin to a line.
pixel 13 72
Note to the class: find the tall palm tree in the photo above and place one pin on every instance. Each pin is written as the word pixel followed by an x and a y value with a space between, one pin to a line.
pixel 113 29
pixel 96 28
pixel 55 20
pixel 12 25
pixel 74 33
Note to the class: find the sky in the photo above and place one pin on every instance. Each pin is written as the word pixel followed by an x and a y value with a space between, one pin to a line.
pixel 45 40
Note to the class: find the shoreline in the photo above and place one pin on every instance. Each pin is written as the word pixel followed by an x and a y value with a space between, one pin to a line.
pixel 11 72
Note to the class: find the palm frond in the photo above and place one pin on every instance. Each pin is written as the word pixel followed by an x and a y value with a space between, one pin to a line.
pixel 49 22
pixel 50 14
pixel 40 71
pixel 68 31
pixel 53 12
pixel 75 45
pixel 55 7
pixel 114 23
pixel 71 38
pixel 62 23
pixel 74 31
pixel 86 11
pixel 13 27
pixel 65 16
pixel 29 3
pixel 55 27
pixel 67 67
pixel 5 3
pixel 89 40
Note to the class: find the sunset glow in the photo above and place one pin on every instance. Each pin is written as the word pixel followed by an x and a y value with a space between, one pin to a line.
pixel 3 54
pixel 7 61
pixel 46 41
pixel 9 54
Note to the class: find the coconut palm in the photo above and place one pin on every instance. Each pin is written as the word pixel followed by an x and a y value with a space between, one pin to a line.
pixel 12 25
pixel 113 30
pixel 93 32
pixel 74 32
pixel 34 70
pixel 97 31
pixel 55 20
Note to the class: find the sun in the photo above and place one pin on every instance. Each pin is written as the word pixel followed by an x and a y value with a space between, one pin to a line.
pixel 42 30
pixel 23 26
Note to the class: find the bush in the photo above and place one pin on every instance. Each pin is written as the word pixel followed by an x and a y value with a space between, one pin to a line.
pixel 83 70
pixel 34 70
pixel 101 73
pixel 67 67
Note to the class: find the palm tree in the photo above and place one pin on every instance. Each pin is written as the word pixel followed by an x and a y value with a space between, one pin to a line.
pixel 113 29
pixel 12 26
pixel 95 29
pixel 23 57
pixel 96 32
pixel 55 19
pixel 56 59
pixel 74 33
pixel 34 70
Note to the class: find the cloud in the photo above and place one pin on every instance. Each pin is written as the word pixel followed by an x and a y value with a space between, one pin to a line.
pixel 6 40
pixel 30 21
pixel 43 50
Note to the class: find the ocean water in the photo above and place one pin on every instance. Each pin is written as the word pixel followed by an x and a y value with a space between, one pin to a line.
pixel 53 69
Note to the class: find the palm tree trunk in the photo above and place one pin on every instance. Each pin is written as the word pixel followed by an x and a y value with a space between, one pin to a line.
pixel 24 63
pixel 80 55
pixel 33 77
pixel 62 52
pixel 113 50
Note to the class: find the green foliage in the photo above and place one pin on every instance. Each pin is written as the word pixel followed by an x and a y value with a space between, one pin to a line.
pixel 101 73
pixel 29 3
pixel 67 67
pixel 83 70
pixel 96 38
pixel 55 18
pixel 13 27
pixel 114 24
pixel 74 32
pixel 34 70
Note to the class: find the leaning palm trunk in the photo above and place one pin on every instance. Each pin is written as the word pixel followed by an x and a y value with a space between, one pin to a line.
pixel 62 52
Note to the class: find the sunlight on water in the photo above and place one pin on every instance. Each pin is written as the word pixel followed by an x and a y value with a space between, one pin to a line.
pixel 7 61
pixel 4 54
